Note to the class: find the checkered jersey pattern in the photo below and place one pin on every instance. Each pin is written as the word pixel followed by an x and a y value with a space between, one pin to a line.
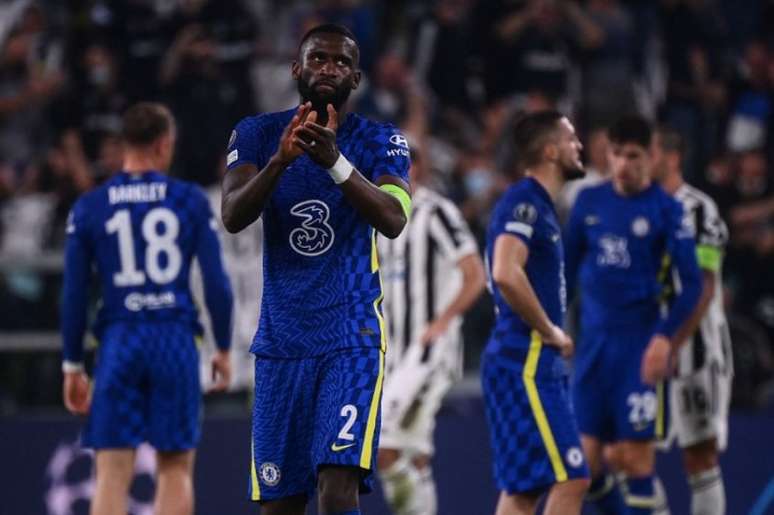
pixel 312 412
pixel 521 458
pixel 87 229
pixel 319 281
pixel 146 388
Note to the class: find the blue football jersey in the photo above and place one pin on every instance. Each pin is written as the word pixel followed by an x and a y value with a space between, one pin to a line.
pixel 321 283
pixel 142 232
pixel 527 212
pixel 617 249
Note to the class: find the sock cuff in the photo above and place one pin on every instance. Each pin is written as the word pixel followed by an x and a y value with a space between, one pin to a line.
pixel 640 492
pixel 705 478
pixel 600 486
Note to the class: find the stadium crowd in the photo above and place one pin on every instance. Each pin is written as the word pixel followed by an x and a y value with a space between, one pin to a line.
pixel 452 73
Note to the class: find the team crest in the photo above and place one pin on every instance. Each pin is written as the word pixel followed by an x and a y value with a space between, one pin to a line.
pixel 640 226
pixel 574 457
pixel 525 212
pixel 270 474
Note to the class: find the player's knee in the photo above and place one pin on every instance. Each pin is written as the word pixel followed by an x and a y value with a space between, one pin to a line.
pixel 637 459
pixel 338 488
pixel 387 458
pixel 700 457
pixel 175 463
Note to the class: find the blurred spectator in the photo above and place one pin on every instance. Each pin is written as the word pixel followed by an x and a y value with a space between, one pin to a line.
pixel 695 53
pixel 205 78
pixel 442 51
pixel 608 65
pixel 751 100
pixel 30 78
pixel 96 100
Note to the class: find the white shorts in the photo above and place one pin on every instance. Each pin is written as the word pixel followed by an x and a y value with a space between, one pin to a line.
pixel 413 391
pixel 699 405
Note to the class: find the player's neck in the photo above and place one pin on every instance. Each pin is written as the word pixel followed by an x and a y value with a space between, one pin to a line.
pixel 548 177
pixel 137 163
pixel 672 182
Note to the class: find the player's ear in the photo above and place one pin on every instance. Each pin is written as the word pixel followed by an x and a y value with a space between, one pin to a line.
pixel 551 152
pixel 356 76
pixel 295 70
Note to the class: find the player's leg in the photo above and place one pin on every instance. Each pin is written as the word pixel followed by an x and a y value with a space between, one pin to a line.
pixel 174 413
pixel 592 408
pixel 174 483
pixel 337 490
pixel 567 497
pixel 347 421
pixel 118 416
pixel 700 412
pixel 282 476
pixel 413 394
pixel 517 504
pixel 535 441
pixel 115 469
pixel 638 460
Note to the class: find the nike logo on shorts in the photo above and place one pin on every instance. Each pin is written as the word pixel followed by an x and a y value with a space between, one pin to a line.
pixel 336 448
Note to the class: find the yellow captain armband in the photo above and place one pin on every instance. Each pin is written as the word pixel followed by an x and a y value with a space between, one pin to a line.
pixel 709 257
pixel 400 194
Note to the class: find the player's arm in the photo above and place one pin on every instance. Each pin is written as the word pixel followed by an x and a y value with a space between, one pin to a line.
pixel 385 205
pixel 245 188
pixel 217 294
pixel 457 244
pixel 508 261
pixel 473 282
pixel 681 247
pixel 73 314
pixel 711 236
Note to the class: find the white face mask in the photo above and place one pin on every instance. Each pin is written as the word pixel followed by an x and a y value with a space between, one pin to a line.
pixel 478 180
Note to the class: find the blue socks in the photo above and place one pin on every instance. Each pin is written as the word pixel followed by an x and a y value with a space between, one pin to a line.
pixel 348 512
pixel 605 495
pixel 640 498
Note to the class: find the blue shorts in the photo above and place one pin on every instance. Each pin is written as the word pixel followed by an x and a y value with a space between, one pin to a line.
pixel 612 402
pixel 146 388
pixel 532 427
pixel 313 412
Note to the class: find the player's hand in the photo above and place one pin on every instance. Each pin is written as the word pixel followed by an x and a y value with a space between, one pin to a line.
pixel 317 141
pixel 77 393
pixel 558 338
pixel 221 371
pixel 657 360
pixel 287 150
pixel 434 330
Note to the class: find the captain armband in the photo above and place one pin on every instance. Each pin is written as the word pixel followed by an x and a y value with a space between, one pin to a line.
pixel 400 194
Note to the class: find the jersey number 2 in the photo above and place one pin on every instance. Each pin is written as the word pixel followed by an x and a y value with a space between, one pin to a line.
pixel 160 228
pixel 349 411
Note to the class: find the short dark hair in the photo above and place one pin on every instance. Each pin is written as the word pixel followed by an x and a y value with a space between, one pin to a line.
pixel 631 129
pixel 670 140
pixel 329 28
pixel 145 122
pixel 530 134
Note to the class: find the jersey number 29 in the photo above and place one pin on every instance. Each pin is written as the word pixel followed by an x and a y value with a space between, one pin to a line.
pixel 160 228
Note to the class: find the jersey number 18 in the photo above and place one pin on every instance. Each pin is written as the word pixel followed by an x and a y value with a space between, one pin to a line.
pixel 160 228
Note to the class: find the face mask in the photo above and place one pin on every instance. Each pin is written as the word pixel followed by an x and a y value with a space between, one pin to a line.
pixel 478 180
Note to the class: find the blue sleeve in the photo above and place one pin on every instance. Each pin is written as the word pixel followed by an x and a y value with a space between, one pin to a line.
pixel 574 244
pixel 385 152
pixel 681 247
pixel 243 143
pixel 75 288
pixel 516 215
pixel 217 288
